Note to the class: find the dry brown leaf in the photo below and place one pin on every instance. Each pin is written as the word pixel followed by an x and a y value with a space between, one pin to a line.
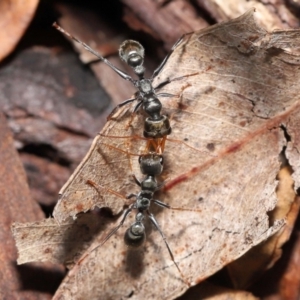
pixel 56 175
pixel 16 206
pixel 209 291
pixel 271 15
pixel 289 287
pixel 15 17
pixel 235 113
pixel 250 266
pixel 58 243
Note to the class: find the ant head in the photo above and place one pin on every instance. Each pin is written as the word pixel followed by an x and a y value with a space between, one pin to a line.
pixel 133 53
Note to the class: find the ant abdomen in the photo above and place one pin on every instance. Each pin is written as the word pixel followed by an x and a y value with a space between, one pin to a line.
pixel 135 235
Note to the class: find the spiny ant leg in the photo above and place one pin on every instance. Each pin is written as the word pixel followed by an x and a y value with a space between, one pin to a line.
pixel 156 145
pixel 160 67
pixel 118 149
pixel 130 121
pixel 162 144
pixel 136 180
pixel 135 136
pixel 160 185
pixel 182 89
pixel 159 147
pixel 165 95
pixel 131 196
pixel 126 213
pixel 155 223
pixel 97 54
pixel 191 147
pixel 137 106
pixel 165 205
pixel 183 76
pixel 160 85
pixel 168 80
pixel 100 189
pixel 162 204
pixel 118 106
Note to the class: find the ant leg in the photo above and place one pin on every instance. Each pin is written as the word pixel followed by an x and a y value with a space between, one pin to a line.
pixel 165 95
pixel 182 89
pixel 137 106
pixel 132 137
pixel 123 136
pixel 160 67
pixel 131 120
pixel 160 186
pixel 159 148
pixel 118 149
pixel 160 85
pixel 165 205
pixel 191 147
pixel 126 213
pixel 183 76
pixel 100 189
pixel 97 54
pixel 118 106
pixel 131 196
pixel 162 204
pixel 136 180
pixel 155 223
pixel 168 80
pixel 156 145
pixel 162 144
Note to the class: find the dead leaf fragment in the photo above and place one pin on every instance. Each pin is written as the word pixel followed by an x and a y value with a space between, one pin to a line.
pixel 15 17
pixel 63 243
pixel 270 14
pixel 255 262
pixel 16 205
pixel 209 291
pixel 290 282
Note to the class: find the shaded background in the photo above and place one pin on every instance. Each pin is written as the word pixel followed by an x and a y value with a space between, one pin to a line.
pixel 54 101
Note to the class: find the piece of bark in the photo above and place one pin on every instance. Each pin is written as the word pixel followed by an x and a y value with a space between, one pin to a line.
pixel 167 22
pixel 45 178
pixel 97 32
pixel 16 206
pixel 231 169
pixel 51 92
pixel 15 17
pixel 54 107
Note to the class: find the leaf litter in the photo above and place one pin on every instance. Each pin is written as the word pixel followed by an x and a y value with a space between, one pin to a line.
pixel 238 115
